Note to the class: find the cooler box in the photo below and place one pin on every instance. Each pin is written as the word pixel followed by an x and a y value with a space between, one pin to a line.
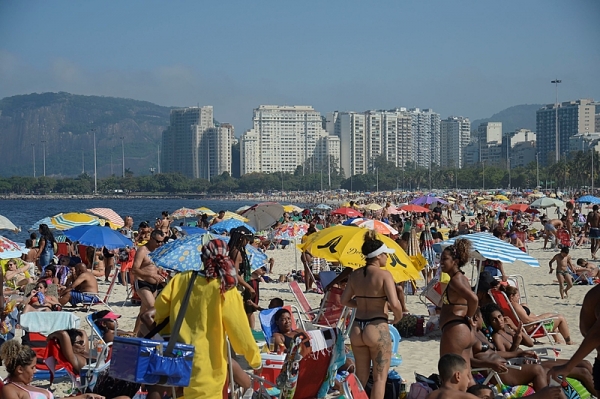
pixel 131 358
pixel 272 363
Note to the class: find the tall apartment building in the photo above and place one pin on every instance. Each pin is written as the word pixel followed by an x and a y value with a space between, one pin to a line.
pixel 455 135
pixel 283 138
pixel 573 117
pixel 193 146
pixel 490 132
pixel 367 135
pixel 426 137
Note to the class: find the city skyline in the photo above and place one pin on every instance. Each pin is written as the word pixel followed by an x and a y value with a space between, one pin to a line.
pixel 331 57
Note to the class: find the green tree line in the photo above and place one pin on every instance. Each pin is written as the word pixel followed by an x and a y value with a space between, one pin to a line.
pixel 574 172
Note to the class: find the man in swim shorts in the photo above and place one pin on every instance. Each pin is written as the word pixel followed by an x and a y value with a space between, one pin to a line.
pixel 550 227
pixel 147 278
pixel 84 282
pixel 563 265
pixel 593 226
pixel 589 325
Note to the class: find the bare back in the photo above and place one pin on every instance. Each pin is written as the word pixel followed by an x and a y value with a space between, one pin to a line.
pixel 86 282
pixel 593 219
pixel 590 312
pixel 369 289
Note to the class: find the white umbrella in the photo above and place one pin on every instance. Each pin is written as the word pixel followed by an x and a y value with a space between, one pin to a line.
pixel 547 202
pixel 6 224
pixel 264 215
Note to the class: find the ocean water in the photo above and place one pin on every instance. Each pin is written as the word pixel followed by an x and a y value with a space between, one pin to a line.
pixel 24 213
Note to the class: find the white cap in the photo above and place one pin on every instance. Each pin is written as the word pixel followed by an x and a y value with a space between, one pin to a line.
pixel 381 250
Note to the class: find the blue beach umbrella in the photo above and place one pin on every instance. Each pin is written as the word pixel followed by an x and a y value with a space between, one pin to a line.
pixel 228 224
pixel 98 237
pixel 486 246
pixel 183 254
pixel 256 257
pixel 588 199
pixel 189 230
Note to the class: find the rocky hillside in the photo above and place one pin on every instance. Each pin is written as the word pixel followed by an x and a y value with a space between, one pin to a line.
pixel 512 118
pixel 65 122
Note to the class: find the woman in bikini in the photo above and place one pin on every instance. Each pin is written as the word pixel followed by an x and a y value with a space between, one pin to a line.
pixel 368 290
pixel 558 323
pixel 507 338
pixel 459 303
pixel 285 335
pixel 20 363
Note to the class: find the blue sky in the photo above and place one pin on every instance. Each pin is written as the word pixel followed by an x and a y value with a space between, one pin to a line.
pixel 471 58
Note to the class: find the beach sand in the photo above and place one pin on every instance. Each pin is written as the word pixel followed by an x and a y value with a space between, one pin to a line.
pixel 420 354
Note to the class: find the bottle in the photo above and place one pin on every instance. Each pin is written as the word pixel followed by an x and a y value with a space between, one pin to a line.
pixel 41 298
pixel 280 349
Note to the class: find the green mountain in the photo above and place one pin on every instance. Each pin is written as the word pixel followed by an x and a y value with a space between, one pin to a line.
pixel 513 118
pixel 67 123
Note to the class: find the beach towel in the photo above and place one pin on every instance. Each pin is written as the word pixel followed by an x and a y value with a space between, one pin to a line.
pixel 54 359
pixel 47 322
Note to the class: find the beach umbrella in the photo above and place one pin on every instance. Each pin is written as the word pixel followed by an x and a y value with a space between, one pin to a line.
pixel 183 254
pixel 373 207
pixel 518 207
pixel 10 249
pixel 414 252
pixel 377 225
pixel 486 246
pixel 546 202
pixel 205 211
pixel 263 215
pixel 292 208
pixel 343 244
pixel 428 200
pixel 323 207
pixel 109 215
pixel 391 210
pixel 226 225
pixel 232 215
pixel 500 197
pixel 184 213
pixel 98 237
pixel 290 231
pixel 347 212
pixel 588 199
pixel 242 209
pixel 413 208
pixel 427 248
pixel 6 224
pixel 47 221
pixel 65 221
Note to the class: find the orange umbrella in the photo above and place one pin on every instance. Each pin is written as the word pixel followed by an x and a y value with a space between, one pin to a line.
pixel 413 208
pixel 518 207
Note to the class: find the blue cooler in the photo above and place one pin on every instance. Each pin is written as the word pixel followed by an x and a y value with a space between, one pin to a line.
pixel 141 361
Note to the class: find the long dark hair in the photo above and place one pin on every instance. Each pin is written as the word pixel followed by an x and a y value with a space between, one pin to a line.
pixel 46 233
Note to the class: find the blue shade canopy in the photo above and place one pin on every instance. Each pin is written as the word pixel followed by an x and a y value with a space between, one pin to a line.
pixel 486 246
pixel 228 224
pixel 183 254
pixel 189 230
pixel 588 199
pixel 98 237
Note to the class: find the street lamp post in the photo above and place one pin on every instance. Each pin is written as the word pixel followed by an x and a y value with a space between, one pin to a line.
pixel 33 149
pixel 483 174
pixel 123 152
pixel 556 82
pixel 593 153
pixel 537 170
pixel 44 155
pixel 82 162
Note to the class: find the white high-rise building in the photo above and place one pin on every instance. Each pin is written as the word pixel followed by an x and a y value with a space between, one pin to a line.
pixel 193 146
pixel 368 135
pixel 490 132
pixel 455 135
pixel 283 138
pixel 426 137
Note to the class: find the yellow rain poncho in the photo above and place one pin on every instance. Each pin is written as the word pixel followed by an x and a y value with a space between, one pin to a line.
pixel 209 317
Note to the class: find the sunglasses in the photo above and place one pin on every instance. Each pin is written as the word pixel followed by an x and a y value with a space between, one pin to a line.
pixel 159 241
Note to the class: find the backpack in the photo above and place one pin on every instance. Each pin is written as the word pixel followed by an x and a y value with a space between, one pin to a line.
pixel 418 390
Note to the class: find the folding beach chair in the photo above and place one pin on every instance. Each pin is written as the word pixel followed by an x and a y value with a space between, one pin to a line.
pixel 517 281
pixel 331 313
pixel 504 304
pixel 565 239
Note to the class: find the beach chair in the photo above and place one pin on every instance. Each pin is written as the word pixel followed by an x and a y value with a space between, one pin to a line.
pixel 564 239
pixel 63 249
pixel 517 281
pixel 503 303
pixel 331 313
pixel 267 323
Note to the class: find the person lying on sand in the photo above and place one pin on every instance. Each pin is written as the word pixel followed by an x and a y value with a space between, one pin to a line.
pixel 587 268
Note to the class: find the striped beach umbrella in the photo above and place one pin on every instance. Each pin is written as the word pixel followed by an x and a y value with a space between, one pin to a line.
pixel 377 225
pixel 486 246
pixel 10 249
pixel 65 221
pixel 184 213
pixel 109 215
pixel 290 231
pixel 204 210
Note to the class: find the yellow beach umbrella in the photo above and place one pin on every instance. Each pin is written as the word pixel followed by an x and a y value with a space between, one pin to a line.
pixel 65 221
pixel 373 207
pixel 343 244
pixel 501 197
pixel 292 208
pixel 205 210
pixel 232 215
